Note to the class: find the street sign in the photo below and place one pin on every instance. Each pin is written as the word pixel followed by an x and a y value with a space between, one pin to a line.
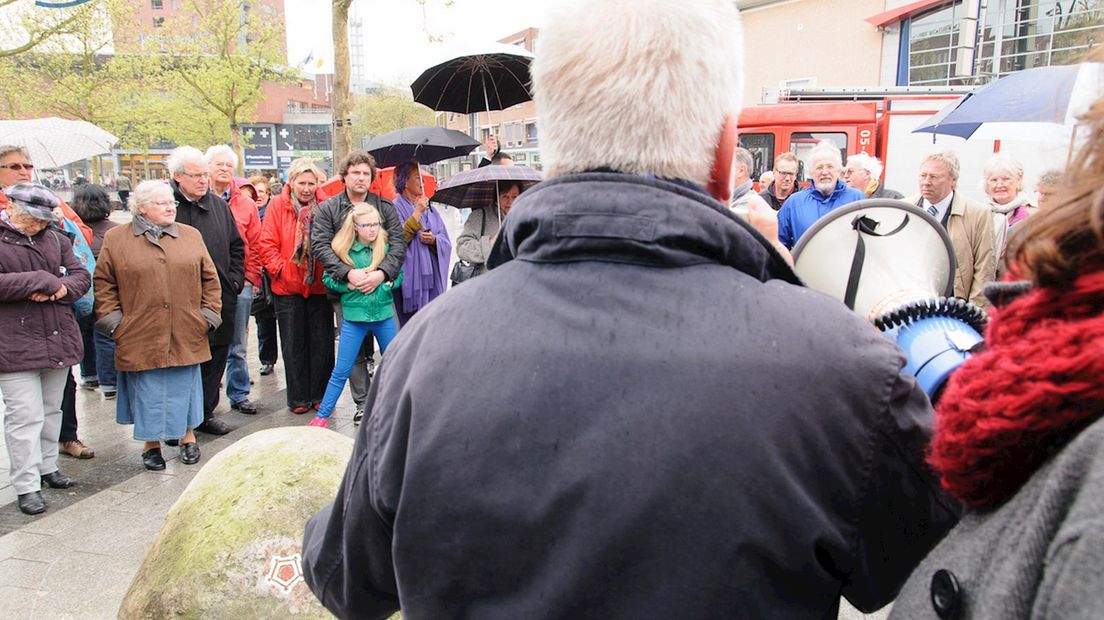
pixel 259 144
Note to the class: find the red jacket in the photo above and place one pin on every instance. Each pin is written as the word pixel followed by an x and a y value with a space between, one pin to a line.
pixel 249 227
pixel 278 236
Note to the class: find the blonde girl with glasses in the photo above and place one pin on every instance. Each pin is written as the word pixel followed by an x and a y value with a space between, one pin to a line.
pixel 362 244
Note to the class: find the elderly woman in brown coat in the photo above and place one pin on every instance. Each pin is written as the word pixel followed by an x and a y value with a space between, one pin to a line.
pixel 158 295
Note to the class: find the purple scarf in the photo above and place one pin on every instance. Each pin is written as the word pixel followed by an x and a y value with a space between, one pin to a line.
pixel 424 276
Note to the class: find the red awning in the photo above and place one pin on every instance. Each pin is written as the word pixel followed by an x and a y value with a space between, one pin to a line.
pixel 893 16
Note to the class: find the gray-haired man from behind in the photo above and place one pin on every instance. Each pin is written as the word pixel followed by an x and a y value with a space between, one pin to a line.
pixel 643 414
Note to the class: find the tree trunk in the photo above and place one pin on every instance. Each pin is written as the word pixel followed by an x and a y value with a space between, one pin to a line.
pixel 236 144
pixel 342 99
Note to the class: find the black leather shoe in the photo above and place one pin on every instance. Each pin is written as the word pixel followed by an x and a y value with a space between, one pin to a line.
pixel 32 503
pixel 172 443
pixel 266 369
pixel 57 480
pixel 245 406
pixel 189 453
pixel 153 460
pixel 214 426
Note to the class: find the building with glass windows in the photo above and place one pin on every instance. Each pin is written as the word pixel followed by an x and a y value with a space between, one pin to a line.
pixel 966 42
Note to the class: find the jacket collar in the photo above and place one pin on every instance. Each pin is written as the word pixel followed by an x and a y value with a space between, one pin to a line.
pixel 623 218
pixel 819 197
pixel 180 197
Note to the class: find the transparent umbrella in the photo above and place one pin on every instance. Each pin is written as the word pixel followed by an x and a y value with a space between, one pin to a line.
pixel 54 142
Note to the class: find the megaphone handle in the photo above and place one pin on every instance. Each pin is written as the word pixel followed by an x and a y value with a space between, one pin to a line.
pixel 862 225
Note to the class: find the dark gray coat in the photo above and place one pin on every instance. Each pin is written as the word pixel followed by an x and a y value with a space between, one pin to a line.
pixel 39 335
pixel 639 416
pixel 328 219
pixel 211 216
pixel 1039 555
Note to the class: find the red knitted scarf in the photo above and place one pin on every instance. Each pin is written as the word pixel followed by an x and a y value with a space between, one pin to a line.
pixel 1039 383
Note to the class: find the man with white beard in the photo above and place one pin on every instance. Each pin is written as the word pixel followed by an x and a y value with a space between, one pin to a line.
pixel 827 193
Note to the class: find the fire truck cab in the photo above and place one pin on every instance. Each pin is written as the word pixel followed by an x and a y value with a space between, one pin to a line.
pixel 880 122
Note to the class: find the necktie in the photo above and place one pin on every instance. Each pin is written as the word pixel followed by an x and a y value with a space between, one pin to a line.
pixel 932 210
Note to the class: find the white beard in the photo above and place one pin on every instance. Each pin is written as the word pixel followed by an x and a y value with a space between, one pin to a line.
pixel 826 188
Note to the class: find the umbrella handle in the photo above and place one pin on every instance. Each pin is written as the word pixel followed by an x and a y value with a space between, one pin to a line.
pixel 487 104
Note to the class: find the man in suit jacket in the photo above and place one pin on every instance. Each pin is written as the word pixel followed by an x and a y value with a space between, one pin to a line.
pixel 968 223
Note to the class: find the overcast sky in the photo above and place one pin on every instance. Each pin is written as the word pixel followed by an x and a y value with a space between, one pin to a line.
pixel 397 32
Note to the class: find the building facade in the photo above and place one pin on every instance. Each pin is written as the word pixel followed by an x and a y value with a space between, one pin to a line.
pixel 292 119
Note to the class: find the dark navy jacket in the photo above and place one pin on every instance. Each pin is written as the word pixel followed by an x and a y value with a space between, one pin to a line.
pixel 642 415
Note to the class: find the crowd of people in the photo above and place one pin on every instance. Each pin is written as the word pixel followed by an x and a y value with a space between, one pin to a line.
pixel 637 409
pixel 162 322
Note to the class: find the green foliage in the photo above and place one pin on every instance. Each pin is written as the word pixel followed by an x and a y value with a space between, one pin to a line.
pixel 391 109
pixel 24 26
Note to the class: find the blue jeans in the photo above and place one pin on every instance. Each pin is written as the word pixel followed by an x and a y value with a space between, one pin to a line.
pixel 348 348
pixel 99 353
pixel 237 369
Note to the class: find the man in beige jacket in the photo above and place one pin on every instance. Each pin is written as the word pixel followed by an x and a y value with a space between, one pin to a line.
pixel 968 223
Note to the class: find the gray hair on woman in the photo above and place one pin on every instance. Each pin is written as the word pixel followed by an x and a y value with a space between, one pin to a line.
pixel 8 149
pixel 1002 163
pixel 147 192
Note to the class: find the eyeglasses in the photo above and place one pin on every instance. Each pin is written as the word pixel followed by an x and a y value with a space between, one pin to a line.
pixel 166 203
pixel 372 225
pixel 779 173
pixel 27 167
pixel 195 175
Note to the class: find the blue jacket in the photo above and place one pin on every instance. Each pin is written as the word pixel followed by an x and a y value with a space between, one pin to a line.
pixel 807 206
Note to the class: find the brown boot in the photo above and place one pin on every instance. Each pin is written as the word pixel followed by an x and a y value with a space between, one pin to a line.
pixel 77 449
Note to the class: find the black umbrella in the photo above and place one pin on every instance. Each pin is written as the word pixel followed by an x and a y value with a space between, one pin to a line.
pixel 494 78
pixel 426 144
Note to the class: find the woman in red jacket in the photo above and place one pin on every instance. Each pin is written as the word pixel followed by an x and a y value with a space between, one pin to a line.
pixel 303 313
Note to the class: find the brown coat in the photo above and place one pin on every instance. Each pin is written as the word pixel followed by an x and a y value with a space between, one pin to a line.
pixel 970 228
pixel 157 300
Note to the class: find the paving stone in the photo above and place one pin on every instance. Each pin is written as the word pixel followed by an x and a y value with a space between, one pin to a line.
pixel 19 603
pixel 22 573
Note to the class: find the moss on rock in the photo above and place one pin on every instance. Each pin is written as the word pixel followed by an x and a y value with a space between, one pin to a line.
pixel 230 546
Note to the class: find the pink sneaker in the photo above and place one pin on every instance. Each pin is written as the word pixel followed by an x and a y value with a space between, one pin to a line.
pixel 319 422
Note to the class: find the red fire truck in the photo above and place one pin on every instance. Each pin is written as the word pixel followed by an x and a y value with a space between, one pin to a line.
pixel 879 121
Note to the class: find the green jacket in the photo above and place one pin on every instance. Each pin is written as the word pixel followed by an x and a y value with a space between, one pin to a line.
pixel 364 307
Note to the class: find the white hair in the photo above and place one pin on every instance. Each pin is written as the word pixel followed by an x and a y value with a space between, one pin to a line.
pixel 1002 162
pixel 182 156
pixel 866 162
pixel 639 86
pixel 221 150
pixel 826 149
pixel 147 192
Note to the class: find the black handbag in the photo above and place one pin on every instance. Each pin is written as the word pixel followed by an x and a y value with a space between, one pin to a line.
pixel 463 271
pixel 262 295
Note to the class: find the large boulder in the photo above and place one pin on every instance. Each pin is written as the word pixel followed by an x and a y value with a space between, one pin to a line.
pixel 231 545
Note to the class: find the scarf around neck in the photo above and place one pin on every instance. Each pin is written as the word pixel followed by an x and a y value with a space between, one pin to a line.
pixel 1035 387
pixel 151 230
pixel 425 271
pixel 302 255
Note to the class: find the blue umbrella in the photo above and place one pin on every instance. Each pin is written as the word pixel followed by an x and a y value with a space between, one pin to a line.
pixel 1035 104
